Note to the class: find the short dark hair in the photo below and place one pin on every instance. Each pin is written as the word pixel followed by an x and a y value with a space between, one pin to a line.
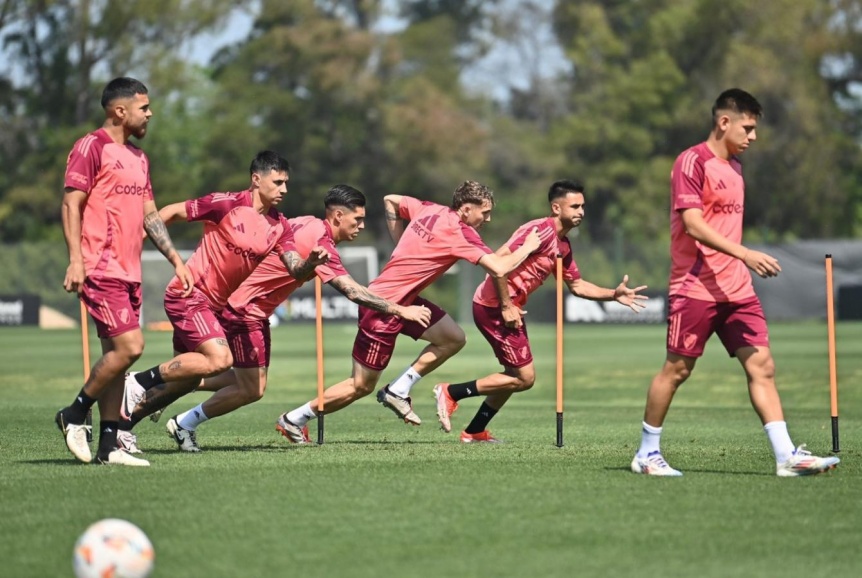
pixel 562 188
pixel 123 87
pixel 473 193
pixel 266 161
pixel 738 101
pixel 344 196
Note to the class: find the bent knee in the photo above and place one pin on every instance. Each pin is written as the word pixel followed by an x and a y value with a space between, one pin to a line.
pixel 219 363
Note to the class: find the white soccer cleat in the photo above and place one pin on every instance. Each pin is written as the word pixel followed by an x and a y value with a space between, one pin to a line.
pixel 401 406
pixel 133 393
pixel 76 438
pixel 128 441
pixel 186 438
pixel 120 457
pixel 653 465
pixel 294 433
pixel 803 463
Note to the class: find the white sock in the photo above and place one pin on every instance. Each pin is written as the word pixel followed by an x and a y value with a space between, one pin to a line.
pixel 782 446
pixel 401 386
pixel 650 440
pixel 301 415
pixel 191 419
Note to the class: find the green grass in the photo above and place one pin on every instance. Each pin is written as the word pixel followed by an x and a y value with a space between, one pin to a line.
pixel 383 499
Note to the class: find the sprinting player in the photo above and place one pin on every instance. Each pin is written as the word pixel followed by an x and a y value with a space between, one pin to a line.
pixel 498 311
pixel 240 230
pixel 436 238
pixel 710 288
pixel 246 317
pixel 107 205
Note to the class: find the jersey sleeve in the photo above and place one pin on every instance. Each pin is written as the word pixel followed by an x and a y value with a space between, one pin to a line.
pixel 570 268
pixel 148 194
pixel 212 207
pixel 467 244
pixel 83 164
pixel 286 241
pixel 409 206
pixel 687 181
pixel 332 268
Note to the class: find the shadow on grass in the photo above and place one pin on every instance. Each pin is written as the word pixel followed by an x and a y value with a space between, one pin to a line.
pixel 697 471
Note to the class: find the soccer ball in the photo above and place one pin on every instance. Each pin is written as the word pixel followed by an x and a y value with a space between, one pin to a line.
pixel 113 548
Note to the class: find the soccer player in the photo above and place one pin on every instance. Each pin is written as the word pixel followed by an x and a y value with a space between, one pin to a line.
pixel 710 289
pixel 498 310
pixel 108 203
pixel 246 317
pixel 240 230
pixel 436 238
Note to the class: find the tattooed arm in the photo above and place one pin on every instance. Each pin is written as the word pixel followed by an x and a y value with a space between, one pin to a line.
pixel 347 286
pixel 158 234
pixel 394 223
pixel 301 269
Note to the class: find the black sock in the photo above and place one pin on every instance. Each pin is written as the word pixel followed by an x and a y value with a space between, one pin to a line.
pixel 481 419
pixel 126 424
pixel 150 378
pixel 77 412
pixel 459 391
pixel 107 437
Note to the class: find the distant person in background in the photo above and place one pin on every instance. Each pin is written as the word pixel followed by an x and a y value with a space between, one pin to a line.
pixel 436 238
pixel 710 289
pixel 107 205
pixel 240 230
pixel 498 310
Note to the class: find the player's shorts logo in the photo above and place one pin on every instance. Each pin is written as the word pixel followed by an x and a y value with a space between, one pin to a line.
pixel 689 340
pixel 123 314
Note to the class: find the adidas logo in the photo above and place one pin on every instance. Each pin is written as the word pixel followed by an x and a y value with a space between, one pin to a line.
pixel 469 391
pixel 240 228
pixel 720 186
pixel 118 166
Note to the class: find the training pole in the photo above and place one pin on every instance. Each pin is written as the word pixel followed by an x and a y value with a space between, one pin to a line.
pixel 833 373
pixel 318 321
pixel 85 354
pixel 559 351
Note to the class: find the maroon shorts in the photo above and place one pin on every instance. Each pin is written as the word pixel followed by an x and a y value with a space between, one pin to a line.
pixel 511 345
pixel 375 340
pixel 249 339
pixel 193 319
pixel 114 305
pixel 691 322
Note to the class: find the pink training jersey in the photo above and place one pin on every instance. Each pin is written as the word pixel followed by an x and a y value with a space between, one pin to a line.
pixel 116 178
pixel 532 272
pixel 701 180
pixel 434 240
pixel 236 239
pixel 270 284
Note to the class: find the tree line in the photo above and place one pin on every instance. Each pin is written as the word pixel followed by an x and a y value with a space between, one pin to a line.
pixel 404 96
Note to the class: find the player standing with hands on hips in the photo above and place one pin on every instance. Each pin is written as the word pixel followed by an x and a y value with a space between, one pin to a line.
pixel 107 205
pixel 710 288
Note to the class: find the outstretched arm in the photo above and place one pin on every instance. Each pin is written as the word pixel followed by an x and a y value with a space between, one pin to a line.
pixel 630 297
pixel 393 221
pixel 347 286
pixel 699 230
pixel 158 234
pixel 500 265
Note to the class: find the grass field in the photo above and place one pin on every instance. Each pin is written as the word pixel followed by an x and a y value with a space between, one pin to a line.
pixel 383 499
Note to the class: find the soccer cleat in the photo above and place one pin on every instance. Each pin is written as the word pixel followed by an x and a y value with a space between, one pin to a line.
pixel 76 437
pixel 156 415
pixel 133 393
pixel 402 406
pixel 128 441
pixel 186 438
pixel 802 463
pixel 294 433
pixel 446 406
pixel 120 457
pixel 653 465
pixel 481 437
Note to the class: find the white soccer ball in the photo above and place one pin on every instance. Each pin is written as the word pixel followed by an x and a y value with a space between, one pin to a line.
pixel 113 548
